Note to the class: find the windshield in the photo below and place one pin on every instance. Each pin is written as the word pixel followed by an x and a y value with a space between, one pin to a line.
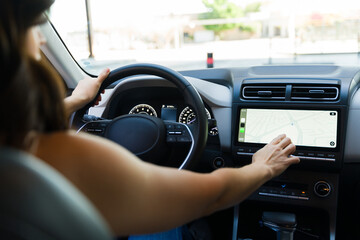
pixel 196 34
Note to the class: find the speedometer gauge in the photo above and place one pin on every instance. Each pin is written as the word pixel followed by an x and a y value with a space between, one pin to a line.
pixel 188 116
pixel 143 109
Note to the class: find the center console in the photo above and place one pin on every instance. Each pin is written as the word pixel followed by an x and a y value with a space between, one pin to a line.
pixel 317 132
pixel 316 125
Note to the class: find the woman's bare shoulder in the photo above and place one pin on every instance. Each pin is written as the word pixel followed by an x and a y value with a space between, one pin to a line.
pixel 66 142
pixel 75 141
pixel 69 145
pixel 69 135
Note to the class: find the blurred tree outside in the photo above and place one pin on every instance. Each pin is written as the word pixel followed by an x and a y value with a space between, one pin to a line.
pixel 224 9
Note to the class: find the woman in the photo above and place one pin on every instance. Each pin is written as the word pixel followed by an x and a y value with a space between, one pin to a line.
pixel 133 196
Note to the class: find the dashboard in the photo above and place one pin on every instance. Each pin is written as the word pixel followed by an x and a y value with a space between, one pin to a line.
pixel 317 106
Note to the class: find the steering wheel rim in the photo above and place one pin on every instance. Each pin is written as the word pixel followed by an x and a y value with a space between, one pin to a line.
pixel 190 94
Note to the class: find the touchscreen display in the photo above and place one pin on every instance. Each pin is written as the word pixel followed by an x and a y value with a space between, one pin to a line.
pixel 311 128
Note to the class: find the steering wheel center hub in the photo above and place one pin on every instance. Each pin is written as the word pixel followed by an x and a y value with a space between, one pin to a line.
pixel 140 134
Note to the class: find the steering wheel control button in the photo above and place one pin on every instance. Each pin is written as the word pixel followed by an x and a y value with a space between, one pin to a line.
pixel 218 162
pixel 169 126
pixel 322 189
pixel 171 139
pixel 177 133
pixel 102 124
pixel 97 127
pixel 174 133
pixel 183 139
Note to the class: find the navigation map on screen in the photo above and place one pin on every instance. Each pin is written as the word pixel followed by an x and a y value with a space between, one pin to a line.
pixel 313 128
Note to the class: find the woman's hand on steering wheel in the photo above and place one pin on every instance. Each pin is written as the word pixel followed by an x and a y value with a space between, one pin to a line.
pixel 85 92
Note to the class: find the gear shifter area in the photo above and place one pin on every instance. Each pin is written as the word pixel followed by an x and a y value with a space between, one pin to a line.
pixel 284 224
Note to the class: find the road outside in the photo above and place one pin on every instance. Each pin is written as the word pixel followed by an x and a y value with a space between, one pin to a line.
pixel 239 53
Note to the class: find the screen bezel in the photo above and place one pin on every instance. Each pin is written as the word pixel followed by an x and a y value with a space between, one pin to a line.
pixel 298 147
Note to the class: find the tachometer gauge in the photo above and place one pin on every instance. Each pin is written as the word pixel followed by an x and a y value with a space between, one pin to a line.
pixel 188 116
pixel 143 109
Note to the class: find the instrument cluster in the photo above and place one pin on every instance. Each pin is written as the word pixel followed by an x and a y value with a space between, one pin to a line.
pixel 186 115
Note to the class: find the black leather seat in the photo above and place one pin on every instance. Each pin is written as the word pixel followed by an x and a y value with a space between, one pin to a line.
pixel 36 202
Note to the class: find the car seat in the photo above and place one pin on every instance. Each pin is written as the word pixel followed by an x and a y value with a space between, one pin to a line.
pixel 36 202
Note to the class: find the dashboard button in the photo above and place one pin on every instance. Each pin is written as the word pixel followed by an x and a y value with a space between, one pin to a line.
pixel 321 155
pixel 219 162
pixel 241 149
pixel 303 193
pixel 274 191
pixel 251 150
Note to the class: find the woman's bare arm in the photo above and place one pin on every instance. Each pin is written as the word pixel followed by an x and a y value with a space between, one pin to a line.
pixel 137 197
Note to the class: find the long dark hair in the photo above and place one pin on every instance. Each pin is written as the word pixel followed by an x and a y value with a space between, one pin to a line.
pixel 31 94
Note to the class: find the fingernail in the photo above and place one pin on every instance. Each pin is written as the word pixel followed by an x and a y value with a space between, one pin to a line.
pixel 105 71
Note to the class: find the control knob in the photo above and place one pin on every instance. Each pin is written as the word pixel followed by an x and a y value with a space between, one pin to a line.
pixel 322 189
pixel 218 162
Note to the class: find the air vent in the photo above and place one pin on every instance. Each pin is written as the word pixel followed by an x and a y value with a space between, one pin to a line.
pixel 314 93
pixel 264 92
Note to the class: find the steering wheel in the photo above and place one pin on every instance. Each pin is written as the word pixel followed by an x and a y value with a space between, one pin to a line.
pixel 149 137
